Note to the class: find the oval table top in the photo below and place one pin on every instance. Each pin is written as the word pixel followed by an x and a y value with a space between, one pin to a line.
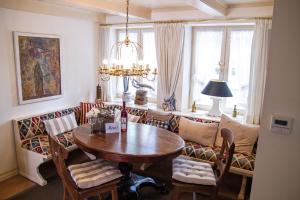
pixel 142 143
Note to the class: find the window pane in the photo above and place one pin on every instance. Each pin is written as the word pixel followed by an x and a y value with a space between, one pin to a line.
pixel 128 56
pixel 149 53
pixel 208 45
pixel 239 67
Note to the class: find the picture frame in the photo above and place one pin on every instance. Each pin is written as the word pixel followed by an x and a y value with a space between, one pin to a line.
pixel 38 60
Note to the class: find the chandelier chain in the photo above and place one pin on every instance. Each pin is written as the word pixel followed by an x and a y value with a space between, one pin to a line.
pixel 127 13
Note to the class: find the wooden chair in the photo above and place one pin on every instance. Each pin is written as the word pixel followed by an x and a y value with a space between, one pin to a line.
pixel 71 190
pixel 220 168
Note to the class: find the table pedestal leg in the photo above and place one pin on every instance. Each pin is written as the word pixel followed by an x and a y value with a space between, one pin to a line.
pixel 131 183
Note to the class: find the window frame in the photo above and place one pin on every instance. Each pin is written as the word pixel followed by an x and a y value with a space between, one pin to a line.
pixel 139 32
pixel 224 58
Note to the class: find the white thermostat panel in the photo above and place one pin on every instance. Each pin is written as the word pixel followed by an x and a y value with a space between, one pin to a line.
pixel 281 124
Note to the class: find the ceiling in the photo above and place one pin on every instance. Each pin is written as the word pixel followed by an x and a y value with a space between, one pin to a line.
pixel 158 4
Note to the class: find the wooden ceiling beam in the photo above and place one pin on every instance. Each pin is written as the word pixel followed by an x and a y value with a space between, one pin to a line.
pixel 211 7
pixel 108 7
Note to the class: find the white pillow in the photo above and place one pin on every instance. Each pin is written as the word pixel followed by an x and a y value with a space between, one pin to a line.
pixel 245 135
pixel 202 133
pixel 131 118
pixel 60 125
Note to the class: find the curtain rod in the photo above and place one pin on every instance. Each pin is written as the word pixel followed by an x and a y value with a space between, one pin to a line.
pixel 186 21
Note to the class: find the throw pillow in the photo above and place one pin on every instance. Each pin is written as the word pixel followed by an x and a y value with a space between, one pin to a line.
pixel 245 135
pixel 86 107
pixel 131 118
pixel 202 133
pixel 158 119
pixel 60 125
pixel 161 116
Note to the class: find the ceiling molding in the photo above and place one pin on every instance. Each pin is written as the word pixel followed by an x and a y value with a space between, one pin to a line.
pixel 51 9
pixel 211 7
pixel 108 7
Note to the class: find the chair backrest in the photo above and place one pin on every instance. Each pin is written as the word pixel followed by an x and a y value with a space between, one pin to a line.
pixel 59 155
pixel 224 159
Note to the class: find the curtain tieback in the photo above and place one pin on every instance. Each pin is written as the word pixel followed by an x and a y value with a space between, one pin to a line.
pixel 170 103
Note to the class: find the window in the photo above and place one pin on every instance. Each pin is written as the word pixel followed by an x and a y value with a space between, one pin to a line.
pixel 146 38
pixel 224 54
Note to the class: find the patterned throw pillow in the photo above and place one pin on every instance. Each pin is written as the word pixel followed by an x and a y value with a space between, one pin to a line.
pixel 86 107
pixel 159 119
pixel 60 125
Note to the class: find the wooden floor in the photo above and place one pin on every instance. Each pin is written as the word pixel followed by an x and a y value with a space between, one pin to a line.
pixel 13 186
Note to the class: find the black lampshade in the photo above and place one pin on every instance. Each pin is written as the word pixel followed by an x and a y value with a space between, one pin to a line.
pixel 217 88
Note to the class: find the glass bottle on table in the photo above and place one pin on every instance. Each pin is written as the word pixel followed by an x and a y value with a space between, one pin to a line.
pixel 124 119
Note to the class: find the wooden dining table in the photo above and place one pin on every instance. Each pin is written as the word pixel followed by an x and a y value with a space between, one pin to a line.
pixel 140 144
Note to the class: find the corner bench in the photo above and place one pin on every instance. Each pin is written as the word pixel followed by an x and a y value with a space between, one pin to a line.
pixel 32 145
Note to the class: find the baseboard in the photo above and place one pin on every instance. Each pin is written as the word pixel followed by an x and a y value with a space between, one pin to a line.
pixel 39 181
pixel 8 175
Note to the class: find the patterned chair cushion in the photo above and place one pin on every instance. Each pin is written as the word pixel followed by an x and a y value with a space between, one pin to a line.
pixel 40 143
pixel 201 152
pixel 35 126
pixel 94 173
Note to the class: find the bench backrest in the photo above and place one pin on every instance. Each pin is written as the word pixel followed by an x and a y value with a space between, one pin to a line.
pixel 33 126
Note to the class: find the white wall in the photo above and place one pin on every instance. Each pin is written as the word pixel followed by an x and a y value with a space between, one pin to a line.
pixel 79 43
pixel 277 171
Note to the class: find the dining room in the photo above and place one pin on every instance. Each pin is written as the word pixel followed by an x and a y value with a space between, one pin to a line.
pixel 149 99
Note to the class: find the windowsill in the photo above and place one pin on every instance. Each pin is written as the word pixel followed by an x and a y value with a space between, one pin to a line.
pixel 202 114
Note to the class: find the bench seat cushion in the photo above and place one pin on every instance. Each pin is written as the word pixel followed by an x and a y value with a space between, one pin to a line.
pixel 40 143
pixel 198 151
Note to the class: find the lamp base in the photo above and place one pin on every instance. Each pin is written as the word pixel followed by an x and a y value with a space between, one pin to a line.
pixel 126 97
pixel 215 109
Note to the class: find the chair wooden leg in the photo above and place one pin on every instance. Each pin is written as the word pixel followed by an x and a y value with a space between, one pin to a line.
pixel 66 194
pixel 100 197
pixel 194 196
pixel 114 194
pixel 175 193
pixel 241 195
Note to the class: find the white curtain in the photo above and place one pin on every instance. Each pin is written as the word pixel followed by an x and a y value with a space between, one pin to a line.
pixel 259 59
pixel 107 39
pixel 169 40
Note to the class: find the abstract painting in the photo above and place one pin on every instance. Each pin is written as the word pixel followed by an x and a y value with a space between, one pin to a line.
pixel 38 64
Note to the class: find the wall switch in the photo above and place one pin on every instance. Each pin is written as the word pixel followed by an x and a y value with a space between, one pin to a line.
pixel 281 124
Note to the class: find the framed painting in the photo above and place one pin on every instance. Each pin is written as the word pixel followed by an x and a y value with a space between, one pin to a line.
pixel 38 66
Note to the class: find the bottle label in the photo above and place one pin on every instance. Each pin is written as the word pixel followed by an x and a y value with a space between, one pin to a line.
pixel 123 123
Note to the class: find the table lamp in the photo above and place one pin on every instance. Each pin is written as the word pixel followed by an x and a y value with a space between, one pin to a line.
pixel 217 89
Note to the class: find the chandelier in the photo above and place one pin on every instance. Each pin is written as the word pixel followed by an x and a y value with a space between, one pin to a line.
pixel 121 67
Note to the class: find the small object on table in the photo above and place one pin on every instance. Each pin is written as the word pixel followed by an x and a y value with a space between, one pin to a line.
pixel 92 121
pixel 141 97
pixel 92 118
pixel 124 119
pixel 194 108
pixel 234 113
pixel 104 116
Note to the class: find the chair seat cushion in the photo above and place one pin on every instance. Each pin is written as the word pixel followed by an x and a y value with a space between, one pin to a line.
pixel 194 172
pixel 93 173
pixel 40 143
pixel 198 151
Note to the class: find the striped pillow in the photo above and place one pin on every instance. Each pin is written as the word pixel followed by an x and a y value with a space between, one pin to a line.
pixel 60 125
pixel 93 173
pixel 86 107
